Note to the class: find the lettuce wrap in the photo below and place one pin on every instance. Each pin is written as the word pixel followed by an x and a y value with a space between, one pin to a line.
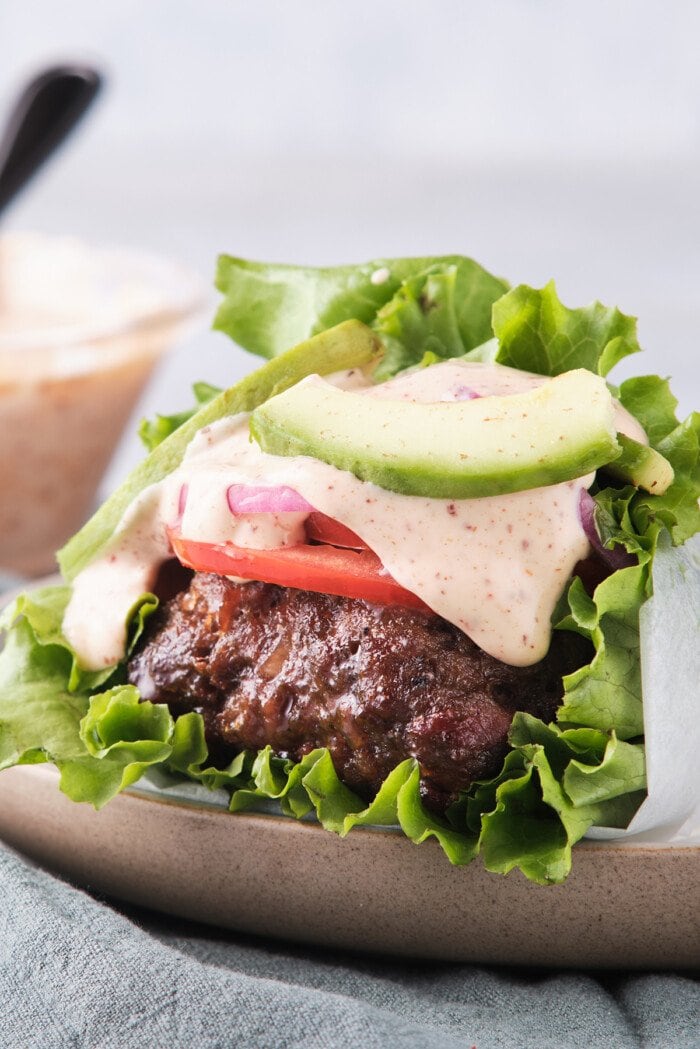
pixel 587 769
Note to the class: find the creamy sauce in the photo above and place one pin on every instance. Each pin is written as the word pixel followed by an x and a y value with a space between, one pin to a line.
pixel 495 567
pixel 461 380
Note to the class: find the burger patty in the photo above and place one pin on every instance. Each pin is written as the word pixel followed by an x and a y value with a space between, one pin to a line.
pixel 297 670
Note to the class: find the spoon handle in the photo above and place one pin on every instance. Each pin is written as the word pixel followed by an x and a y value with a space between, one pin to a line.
pixel 46 111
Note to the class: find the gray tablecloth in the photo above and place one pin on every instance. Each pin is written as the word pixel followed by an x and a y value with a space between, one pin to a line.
pixel 76 971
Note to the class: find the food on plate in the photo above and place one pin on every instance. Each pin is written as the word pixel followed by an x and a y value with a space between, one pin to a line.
pixel 393 577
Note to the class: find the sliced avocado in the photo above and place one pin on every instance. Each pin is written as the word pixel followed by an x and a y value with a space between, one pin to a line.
pixel 641 466
pixel 457 450
pixel 347 345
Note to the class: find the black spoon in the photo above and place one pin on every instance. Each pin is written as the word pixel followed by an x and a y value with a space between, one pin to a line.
pixel 47 110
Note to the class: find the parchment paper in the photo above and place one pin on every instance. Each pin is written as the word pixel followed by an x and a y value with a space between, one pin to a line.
pixel 670 657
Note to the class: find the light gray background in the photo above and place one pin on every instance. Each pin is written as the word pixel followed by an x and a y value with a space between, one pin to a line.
pixel 542 137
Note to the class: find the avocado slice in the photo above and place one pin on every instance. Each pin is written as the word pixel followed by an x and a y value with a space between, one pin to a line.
pixel 642 466
pixel 448 450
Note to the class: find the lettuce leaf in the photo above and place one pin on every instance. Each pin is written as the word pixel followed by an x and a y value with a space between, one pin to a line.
pixel 44 610
pixel 101 743
pixel 649 398
pixel 39 715
pixel 154 431
pixel 312 784
pixel 445 310
pixel 537 333
pixel 269 307
pixel 607 692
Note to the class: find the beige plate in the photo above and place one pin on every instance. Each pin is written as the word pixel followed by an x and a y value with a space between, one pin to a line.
pixel 623 905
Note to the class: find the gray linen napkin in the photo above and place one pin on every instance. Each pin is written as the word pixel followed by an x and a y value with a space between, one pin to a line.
pixel 79 972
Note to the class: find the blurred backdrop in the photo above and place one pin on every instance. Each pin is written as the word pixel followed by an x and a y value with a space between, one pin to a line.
pixel 544 139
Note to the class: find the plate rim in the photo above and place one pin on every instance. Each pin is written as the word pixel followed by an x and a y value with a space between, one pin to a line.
pixel 277 877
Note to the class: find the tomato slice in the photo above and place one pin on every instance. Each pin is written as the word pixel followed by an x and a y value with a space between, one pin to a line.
pixel 327 530
pixel 324 569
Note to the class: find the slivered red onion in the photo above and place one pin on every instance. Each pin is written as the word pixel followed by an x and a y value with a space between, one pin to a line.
pixel 466 393
pixel 181 503
pixel 256 499
pixel 615 558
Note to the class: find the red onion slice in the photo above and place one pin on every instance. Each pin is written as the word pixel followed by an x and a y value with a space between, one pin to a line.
pixel 252 499
pixel 466 393
pixel 616 558
pixel 181 504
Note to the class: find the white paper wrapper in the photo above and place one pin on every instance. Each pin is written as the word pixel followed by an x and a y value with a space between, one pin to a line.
pixel 670 654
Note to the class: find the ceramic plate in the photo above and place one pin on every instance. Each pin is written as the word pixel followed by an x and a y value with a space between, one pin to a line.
pixel 631 905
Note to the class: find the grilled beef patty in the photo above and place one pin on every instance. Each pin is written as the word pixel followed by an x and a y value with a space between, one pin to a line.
pixel 297 670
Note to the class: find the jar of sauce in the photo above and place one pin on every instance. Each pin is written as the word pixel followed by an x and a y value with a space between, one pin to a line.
pixel 81 330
